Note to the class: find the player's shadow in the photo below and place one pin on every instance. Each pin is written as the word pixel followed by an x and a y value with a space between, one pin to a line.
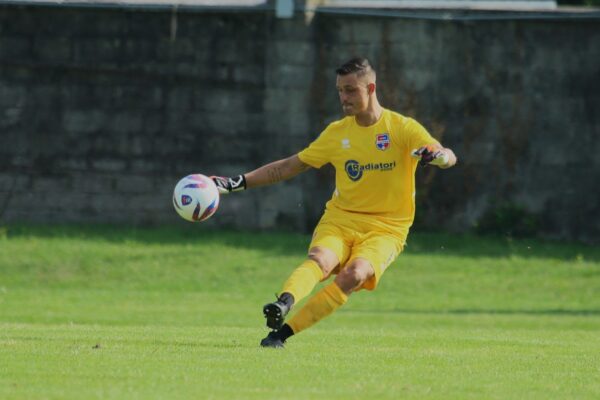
pixel 152 343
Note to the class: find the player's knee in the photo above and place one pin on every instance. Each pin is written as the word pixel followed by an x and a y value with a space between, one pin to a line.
pixel 325 261
pixel 354 276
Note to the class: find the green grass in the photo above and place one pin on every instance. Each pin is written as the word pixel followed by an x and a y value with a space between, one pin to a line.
pixel 124 313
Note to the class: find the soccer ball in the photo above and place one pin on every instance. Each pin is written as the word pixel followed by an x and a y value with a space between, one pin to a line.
pixel 196 198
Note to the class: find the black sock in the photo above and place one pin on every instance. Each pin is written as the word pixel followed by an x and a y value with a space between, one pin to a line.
pixel 285 332
pixel 287 298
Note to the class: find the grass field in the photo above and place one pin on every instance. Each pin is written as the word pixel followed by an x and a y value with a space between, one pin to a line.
pixel 123 313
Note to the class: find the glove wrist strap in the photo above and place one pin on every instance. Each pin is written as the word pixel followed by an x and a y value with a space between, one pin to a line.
pixel 237 183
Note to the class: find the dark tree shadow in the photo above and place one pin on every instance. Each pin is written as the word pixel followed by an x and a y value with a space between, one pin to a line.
pixel 286 243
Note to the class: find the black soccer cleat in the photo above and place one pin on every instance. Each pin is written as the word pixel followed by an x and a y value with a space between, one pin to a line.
pixel 275 313
pixel 273 340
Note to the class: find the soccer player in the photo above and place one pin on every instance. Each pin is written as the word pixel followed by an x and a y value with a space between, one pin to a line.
pixel 375 153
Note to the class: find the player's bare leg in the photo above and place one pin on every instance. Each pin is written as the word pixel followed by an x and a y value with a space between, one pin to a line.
pixel 354 275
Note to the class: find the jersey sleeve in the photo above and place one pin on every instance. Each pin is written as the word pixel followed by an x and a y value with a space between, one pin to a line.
pixel 318 152
pixel 417 136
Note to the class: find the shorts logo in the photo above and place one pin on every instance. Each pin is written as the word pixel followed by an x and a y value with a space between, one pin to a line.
pixel 355 170
pixel 382 141
pixel 185 199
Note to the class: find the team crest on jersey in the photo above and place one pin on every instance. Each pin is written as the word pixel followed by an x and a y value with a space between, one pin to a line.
pixel 382 141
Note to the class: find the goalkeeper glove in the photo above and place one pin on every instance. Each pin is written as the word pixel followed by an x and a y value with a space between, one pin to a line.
pixel 428 155
pixel 227 185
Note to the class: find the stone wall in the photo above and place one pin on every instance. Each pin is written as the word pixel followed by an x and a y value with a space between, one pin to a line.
pixel 103 109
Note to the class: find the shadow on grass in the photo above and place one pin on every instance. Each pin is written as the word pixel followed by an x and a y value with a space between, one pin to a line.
pixel 101 345
pixel 275 242
pixel 286 243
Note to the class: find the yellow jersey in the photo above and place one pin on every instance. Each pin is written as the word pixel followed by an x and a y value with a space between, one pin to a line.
pixel 375 173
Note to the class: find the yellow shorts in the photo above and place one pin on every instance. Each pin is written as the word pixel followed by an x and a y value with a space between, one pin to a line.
pixel 350 237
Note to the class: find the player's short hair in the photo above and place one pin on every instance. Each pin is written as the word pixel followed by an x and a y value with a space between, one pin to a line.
pixel 358 65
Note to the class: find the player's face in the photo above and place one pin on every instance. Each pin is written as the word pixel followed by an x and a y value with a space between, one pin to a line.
pixel 353 92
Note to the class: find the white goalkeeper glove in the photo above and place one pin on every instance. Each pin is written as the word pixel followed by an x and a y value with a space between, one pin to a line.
pixel 227 185
pixel 428 155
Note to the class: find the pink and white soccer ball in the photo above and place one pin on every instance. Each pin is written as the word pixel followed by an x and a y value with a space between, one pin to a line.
pixel 196 198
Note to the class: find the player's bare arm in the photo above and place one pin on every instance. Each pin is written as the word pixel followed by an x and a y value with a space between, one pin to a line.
pixel 268 174
pixel 275 172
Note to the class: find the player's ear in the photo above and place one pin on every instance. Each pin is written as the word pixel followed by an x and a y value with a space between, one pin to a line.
pixel 370 88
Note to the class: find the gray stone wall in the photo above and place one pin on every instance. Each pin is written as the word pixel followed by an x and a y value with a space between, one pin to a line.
pixel 102 110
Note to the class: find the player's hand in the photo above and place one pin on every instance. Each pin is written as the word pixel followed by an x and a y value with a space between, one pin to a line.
pixel 227 185
pixel 429 155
